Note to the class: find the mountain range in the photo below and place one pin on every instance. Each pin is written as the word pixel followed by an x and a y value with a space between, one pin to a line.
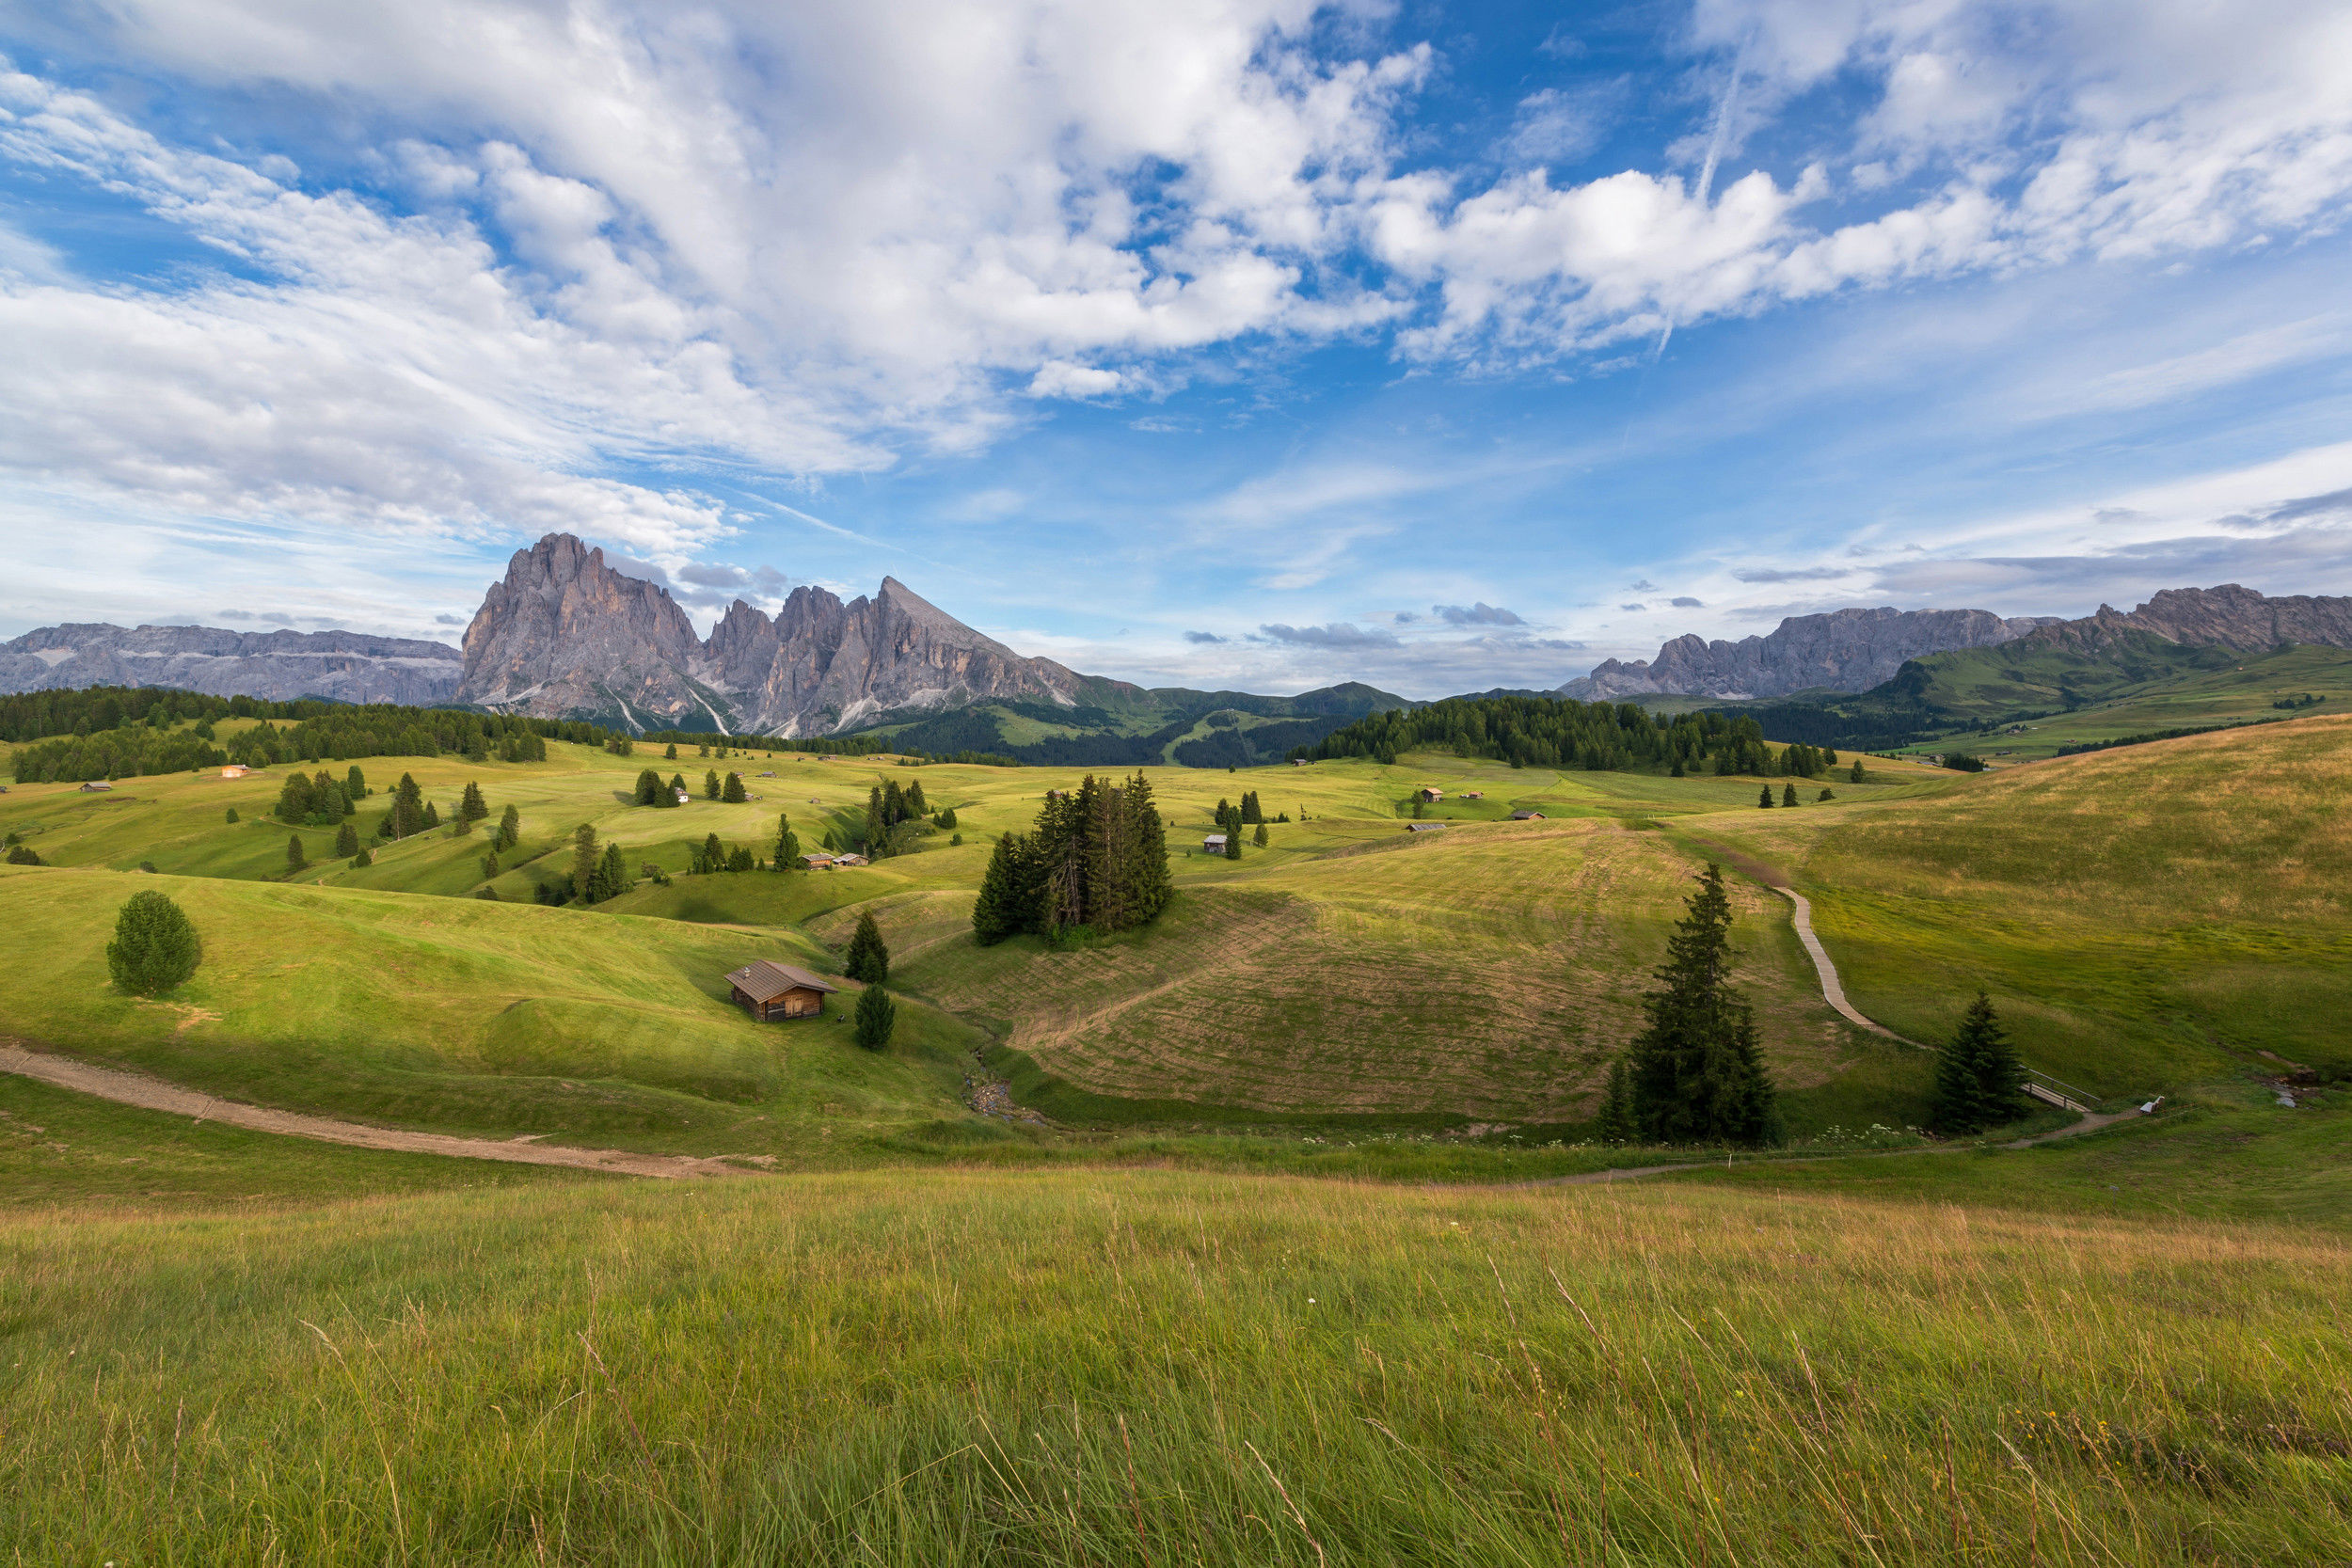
pixel 566 635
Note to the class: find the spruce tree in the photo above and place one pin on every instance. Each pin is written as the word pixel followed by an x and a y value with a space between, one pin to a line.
pixel 232 813
pixel 1616 1123
pixel 510 830
pixel 1980 1082
pixel 471 807
pixel 1827 794
pixel 1698 1075
pixel 490 865
pixel 876 1018
pixel 648 788
pixel 354 785
pixel 868 960
pixel 1233 843
pixel 1789 794
pixel 998 912
pixel 916 805
pixel 612 878
pixel 363 858
pixel 733 795
pixel 155 946
pixel 710 785
pixel 1260 837
pixel 1856 776
pixel 678 787
pixel 669 752
pixel 347 841
pixel 432 814
pixel 296 860
pixel 787 843
pixel 1765 799
pixel 585 858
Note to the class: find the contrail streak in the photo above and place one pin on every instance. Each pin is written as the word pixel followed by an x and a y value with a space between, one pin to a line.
pixel 1706 169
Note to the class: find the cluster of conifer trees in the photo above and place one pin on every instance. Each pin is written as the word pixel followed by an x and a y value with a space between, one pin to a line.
pixel 321 801
pixel 1097 858
pixel 1557 732
pixel 887 806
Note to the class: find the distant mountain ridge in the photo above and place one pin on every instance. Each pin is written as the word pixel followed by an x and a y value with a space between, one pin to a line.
pixel 279 666
pixel 1856 650
pixel 1845 650
pixel 565 635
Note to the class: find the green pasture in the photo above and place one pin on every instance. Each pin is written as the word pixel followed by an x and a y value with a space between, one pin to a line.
pixel 2144 918
pixel 1154 1368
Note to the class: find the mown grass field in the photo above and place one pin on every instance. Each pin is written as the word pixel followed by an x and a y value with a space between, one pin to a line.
pixel 1152 1367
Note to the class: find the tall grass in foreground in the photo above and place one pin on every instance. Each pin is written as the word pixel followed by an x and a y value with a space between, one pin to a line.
pixel 1165 1368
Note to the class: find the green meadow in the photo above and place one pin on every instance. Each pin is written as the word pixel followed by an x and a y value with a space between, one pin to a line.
pixel 1249 1280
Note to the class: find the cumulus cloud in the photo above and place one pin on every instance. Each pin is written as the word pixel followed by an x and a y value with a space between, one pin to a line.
pixel 1685 602
pixel 449 620
pixel 1480 614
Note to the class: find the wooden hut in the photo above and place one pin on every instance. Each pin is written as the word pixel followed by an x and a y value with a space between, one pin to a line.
pixel 1527 816
pixel 775 990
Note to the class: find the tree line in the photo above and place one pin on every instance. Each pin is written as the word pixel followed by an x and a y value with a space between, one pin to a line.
pixel 1095 860
pixel 1559 731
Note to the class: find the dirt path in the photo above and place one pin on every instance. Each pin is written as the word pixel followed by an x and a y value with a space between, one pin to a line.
pixel 1832 989
pixel 153 1094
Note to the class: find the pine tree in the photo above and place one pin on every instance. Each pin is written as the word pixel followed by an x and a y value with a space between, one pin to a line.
pixel 998 913
pixel 354 785
pixel 916 806
pixel 1789 794
pixel 232 813
pixel 347 841
pixel 1616 1123
pixel 155 946
pixel 471 807
pixel 612 878
pixel 669 752
pixel 1233 843
pixel 1827 794
pixel 1698 1075
pixel 1856 776
pixel 876 1018
pixel 648 788
pixel 1676 770
pixel 733 795
pixel 585 858
pixel 407 814
pixel 295 859
pixel 1765 799
pixel 510 830
pixel 710 783
pixel 787 843
pixel 714 855
pixel 868 960
pixel 1980 1082
pixel 363 858
pixel 1260 839
pixel 294 799
pixel 947 820
pixel 490 865
pixel 678 787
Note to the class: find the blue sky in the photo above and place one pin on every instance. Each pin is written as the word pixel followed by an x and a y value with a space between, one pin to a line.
pixel 1250 343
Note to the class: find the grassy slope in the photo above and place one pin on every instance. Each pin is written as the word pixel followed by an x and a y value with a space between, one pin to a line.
pixel 460 1015
pixel 2237 689
pixel 1155 1368
pixel 2143 918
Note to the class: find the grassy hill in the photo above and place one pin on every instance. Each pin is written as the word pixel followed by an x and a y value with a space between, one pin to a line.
pixel 2144 918
pixel 2029 699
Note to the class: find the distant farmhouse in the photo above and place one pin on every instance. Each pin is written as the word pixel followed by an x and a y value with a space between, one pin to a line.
pixel 1430 792
pixel 772 990
pixel 1422 827
pixel 1214 843
pixel 1527 816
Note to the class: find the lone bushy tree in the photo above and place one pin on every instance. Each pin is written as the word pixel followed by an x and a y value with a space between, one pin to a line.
pixel 787 843
pixel 1789 794
pixel 868 960
pixel 1765 800
pixel 1698 1076
pixel 155 945
pixel 876 1018
pixel 295 859
pixel 1979 1082
pixel 347 841
pixel 733 794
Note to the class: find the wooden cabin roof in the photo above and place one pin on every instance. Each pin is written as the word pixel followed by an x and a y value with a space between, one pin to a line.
pixel 763 981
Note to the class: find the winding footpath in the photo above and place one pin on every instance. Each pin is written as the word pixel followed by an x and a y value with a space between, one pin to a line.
pixel 153 1094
